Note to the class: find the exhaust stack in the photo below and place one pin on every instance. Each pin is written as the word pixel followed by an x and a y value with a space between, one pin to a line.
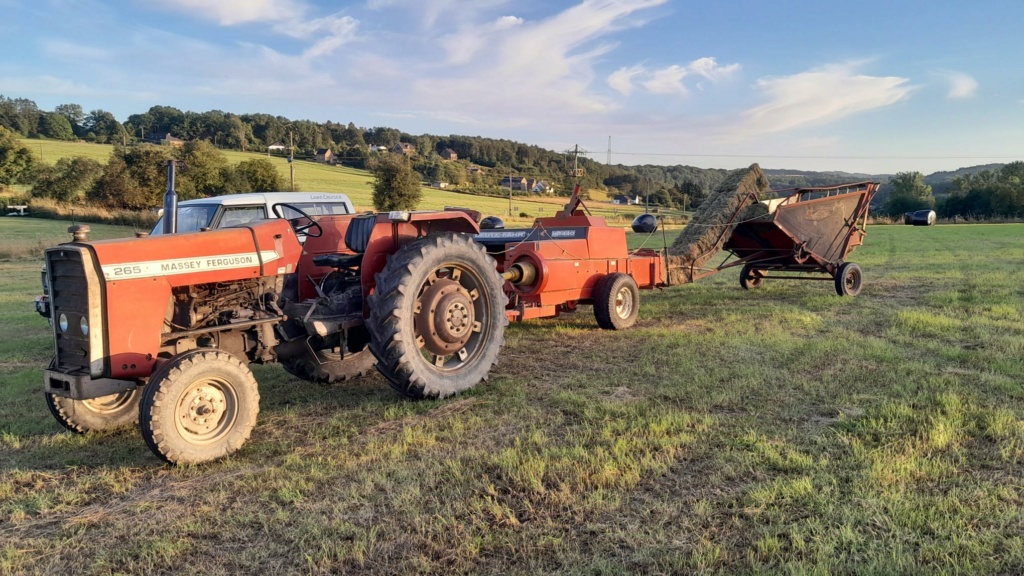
pixel 170 202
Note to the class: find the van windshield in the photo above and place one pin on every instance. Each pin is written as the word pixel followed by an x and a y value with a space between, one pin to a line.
pixel 191 218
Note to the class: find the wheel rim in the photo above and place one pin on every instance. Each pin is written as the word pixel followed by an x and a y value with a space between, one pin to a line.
pixel 206 410
pixel 110 403
pixel 624 302
pixel 852 281
pixel 449 317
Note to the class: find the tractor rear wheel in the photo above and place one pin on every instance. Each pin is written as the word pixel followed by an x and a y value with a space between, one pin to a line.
pixel 317 367
pixel 849 279
pixel 104 413
pixel 437 316
pixel 616 301
pixel 199 406
pixel 751 278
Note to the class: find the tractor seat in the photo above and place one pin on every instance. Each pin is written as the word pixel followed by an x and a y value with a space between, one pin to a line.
pixel 357 238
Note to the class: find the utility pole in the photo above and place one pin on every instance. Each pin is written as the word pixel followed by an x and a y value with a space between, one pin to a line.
pixel 609 160
pixel 509 192
pixel 291 157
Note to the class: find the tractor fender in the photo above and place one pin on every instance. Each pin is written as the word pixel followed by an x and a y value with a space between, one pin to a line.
pixel 394 230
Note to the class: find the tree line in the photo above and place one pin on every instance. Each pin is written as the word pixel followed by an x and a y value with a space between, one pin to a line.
pixel 135 176
pixel 492 159
pixel 483 162
pixel 986 194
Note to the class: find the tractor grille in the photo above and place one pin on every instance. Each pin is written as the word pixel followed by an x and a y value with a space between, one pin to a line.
pixel 70 286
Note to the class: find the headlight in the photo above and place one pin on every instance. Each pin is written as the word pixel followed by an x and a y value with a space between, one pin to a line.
pixel 84 325
pixel 62 322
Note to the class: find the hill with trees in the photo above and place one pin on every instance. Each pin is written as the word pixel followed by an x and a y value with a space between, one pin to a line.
pixel 474 164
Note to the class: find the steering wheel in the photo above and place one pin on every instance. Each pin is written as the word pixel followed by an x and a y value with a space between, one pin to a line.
pixel 300 229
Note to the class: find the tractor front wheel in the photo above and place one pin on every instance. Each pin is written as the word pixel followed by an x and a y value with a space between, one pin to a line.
pixel 199 406
pixel 95 414
pixel 437 317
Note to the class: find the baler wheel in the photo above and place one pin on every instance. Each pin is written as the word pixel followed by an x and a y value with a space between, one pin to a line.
pixel 751 278
pixel 849 279
pixel 437 317
pixel 616 301
pixel 199 406
pixel 104 413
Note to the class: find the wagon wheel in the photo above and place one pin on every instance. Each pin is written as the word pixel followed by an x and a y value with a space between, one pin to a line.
pixel 848 279
pixel 751 278
pixel 437 317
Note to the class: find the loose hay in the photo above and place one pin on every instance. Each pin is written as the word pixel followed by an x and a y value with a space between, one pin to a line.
pixel 713 222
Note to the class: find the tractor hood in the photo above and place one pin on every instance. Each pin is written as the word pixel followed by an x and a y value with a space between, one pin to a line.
pixel 265 248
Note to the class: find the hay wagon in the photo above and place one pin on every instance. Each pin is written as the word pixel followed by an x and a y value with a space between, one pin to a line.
pixel 805 230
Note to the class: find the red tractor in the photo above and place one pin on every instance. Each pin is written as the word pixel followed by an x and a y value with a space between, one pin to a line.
pixel 161 329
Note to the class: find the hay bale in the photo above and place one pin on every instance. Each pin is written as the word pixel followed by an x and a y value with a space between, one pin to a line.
pixel 710 227
pixel 756 211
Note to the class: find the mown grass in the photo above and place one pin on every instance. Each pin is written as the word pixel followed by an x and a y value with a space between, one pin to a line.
pixel 357 184
pixel 782 430
pixel 22 238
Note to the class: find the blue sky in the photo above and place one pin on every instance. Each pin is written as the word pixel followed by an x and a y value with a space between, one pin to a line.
pixel 867 86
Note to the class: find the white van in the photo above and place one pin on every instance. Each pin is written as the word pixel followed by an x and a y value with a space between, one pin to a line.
pixel 237 209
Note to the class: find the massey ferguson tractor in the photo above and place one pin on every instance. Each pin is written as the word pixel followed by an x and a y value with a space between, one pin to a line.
pixel 161 329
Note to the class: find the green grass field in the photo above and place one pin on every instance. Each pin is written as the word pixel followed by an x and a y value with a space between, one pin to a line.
pixel 781 430
pixel 357 184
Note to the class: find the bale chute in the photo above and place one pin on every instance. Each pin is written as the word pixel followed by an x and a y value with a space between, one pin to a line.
pixel 712 224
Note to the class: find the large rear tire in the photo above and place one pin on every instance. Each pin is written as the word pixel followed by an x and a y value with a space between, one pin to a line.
pixel 616 301
pixel 199 406
pixel 437 317
pixel 105 413
pixel 317 367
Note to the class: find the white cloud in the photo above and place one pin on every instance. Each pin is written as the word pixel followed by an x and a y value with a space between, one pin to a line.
pixel 669 80
pixel 622 79
pixel 289 17
pixel 961 86
pixel 709 68
pixel 820 96
pixel 510 70
pixel 232 12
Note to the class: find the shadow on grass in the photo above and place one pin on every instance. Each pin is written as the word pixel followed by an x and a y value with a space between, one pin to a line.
pixel 30 439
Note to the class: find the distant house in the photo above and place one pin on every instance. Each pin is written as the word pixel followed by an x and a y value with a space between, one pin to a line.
pixel 514 182
pixel 623 199
pixel 325 156
pixel 449 154
pixel 436 184
pixel 476 169
pixel 375 148
pixel 542 187
pixel 277 147
pixel 169 140
pixel 404 148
